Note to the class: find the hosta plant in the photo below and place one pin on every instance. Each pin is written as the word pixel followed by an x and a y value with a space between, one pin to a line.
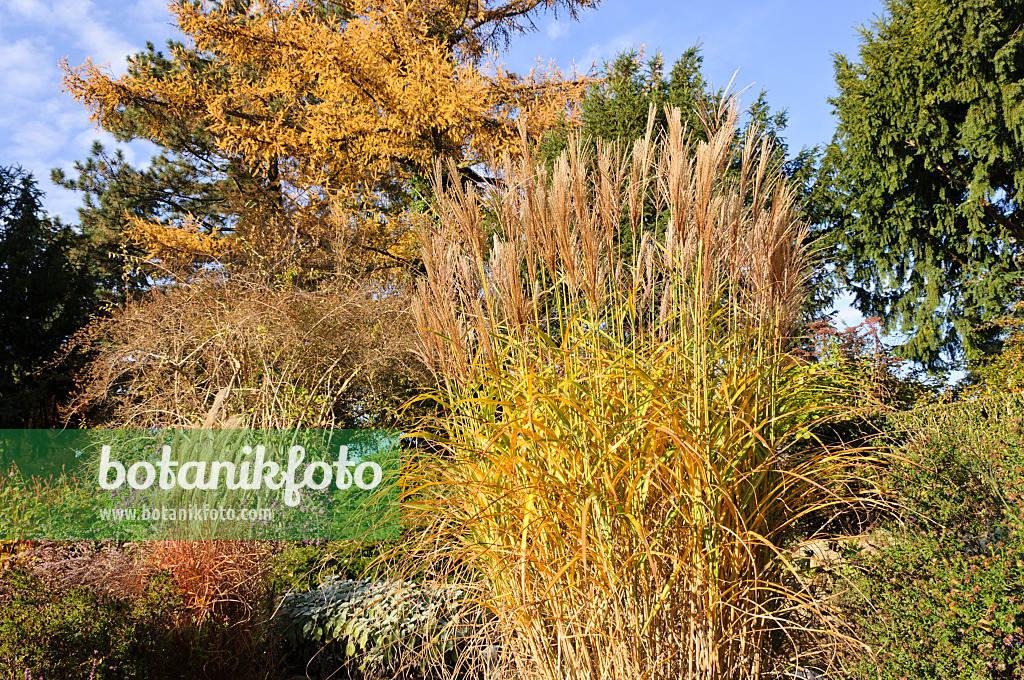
pixel 379 626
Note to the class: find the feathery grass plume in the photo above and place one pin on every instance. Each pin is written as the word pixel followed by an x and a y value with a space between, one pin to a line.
pixel 628 444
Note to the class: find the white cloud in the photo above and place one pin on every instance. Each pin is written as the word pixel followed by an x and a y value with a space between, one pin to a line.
pixel 25 8
pixel 556 29
pixel 150 9
pixel 598 53
pixel 40 126
pixel 24 71
pixel 845 314
pixel 37 138
pixel 76 22
pixel 103 42
pixel 43 129
pixel 153 17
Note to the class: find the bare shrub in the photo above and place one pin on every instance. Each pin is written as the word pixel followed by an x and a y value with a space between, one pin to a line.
pixel 239 350
pixel 104 567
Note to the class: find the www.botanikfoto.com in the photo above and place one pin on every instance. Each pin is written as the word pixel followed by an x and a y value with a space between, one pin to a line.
pixel 193 513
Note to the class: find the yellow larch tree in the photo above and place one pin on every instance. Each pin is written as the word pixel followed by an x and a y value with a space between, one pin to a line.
pixel 331 108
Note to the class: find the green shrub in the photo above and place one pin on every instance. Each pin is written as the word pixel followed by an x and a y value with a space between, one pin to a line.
pixel 930 611
pixel 303 566
pixel 965 464
pixel 56 507
pixel 90 609
pixel 75 632
pixel 945 598
pixel 1004 372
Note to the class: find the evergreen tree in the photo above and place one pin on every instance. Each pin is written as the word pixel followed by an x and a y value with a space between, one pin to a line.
pixel 46 294
pixel 923 175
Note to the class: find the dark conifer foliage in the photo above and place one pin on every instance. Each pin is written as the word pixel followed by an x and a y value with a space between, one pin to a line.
pixel 924 172
pixel 47 292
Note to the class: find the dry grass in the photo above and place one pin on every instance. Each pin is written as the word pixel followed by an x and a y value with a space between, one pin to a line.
pixel 253 353
pixel 557 249
pixel 223 580
pixel 226 603
pixel 628 444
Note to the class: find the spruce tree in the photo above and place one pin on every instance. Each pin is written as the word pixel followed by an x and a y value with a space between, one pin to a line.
pixel 46 294
pixel 923 175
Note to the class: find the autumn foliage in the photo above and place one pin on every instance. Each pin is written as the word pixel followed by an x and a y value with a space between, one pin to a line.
pixel 330 108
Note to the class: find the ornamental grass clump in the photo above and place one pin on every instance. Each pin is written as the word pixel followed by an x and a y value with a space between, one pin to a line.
pixel 627 444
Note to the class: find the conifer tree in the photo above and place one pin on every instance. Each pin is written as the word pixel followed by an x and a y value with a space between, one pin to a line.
pixel 46 294
pixel 317 114
pixel 924 173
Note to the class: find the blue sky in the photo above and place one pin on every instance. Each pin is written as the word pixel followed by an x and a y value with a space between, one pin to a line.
pixel 783 46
